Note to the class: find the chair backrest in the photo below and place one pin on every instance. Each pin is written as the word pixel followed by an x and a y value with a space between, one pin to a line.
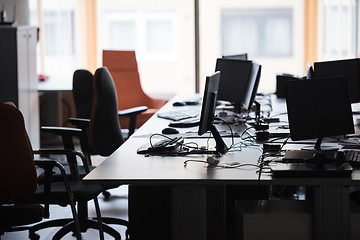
pixel 18 179
pixel 83 93
pixel 124 70
pixel 105 130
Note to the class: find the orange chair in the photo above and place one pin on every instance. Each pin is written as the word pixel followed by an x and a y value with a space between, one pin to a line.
pixel 124 70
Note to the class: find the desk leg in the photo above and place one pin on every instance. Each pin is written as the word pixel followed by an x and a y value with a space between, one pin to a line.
pixel 150 212
pixel 200 212
pixel 332 212
pixel 189 209
pixel 181 212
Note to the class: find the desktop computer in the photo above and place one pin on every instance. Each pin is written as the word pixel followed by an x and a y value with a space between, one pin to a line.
pixel 317 108
pixel 239 82
pixel 348 68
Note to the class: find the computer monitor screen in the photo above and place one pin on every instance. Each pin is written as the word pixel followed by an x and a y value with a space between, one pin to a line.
pixel 252 87
pixel 242 56
pixel 318 108
pixel 349 68
pixel 234 80
pixel 208 111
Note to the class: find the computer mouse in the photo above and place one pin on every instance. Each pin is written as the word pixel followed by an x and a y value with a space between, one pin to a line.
pixel 169 131
pixel 179 104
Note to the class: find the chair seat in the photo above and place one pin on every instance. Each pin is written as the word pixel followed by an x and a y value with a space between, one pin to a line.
pixel 20 214
pixel 82 193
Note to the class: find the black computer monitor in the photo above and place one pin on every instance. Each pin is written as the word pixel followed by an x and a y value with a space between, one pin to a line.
pixel 318 108
pixel 349 68
pixel 233 85
pixel 309 71
pixel 208 111
pixel 252 86
pixel 242 56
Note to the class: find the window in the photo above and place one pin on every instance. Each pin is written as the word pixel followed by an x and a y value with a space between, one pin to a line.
pixel 259 32
pixel 162 35
pixel 338 34
pixel 271 32
pixel 56 52
pixel 153 34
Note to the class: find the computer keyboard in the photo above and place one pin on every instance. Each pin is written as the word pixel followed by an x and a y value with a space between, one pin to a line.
pixel 353 157
pixel 179 115
pixel 162 146
pixel 189 122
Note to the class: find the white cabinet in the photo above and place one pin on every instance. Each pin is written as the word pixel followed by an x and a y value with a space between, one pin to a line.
pixel 18 77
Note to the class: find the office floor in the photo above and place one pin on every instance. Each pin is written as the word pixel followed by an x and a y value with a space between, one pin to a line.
pixel 116 206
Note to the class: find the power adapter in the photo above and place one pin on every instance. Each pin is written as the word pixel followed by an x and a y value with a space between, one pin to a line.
pixel 262 136
pixel 270 147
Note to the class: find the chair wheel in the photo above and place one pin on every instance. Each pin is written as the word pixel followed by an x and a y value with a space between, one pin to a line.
pixel 106 195
pixel 34 236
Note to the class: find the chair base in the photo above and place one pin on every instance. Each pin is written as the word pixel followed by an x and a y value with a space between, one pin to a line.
pixel 68 225
pixel 109 220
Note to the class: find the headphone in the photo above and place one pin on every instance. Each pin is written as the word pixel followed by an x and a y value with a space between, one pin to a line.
pixel 319 160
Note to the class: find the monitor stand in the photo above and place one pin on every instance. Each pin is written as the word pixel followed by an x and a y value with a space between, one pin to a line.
pixel 298 156
pixel 220 144
pixel 309 151
pixel 321 148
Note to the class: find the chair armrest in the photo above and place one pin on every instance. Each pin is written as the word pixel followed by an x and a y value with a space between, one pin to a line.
pixel 67 135
pixel 134 110
pixel 62 131
pixel 132 113
pixel 48 165
pixel 64 152
pixel 81 123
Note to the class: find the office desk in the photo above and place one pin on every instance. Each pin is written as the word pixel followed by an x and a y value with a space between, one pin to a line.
pixel 197 192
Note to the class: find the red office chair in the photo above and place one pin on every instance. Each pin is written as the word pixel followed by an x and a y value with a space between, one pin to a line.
pixel 124 70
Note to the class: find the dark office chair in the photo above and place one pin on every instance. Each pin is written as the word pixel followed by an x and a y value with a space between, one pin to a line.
pixel 83 99
pixel 18 177
pixel 82 194
pixel 104 128
pixel 83 94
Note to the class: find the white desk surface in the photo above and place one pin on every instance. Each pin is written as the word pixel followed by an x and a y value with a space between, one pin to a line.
pixel 125 166
pixel 56 84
